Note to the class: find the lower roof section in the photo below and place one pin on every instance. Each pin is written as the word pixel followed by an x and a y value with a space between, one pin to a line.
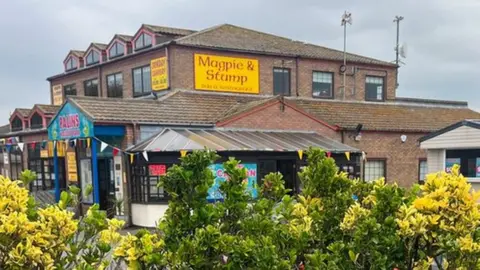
pixel 220 139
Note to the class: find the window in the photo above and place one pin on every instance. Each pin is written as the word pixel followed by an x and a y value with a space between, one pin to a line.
pixel 141 81
pixel 17 124
pixel 93 57
pixel 36 121
pixel 71 64
pixel 70 90
pixel 115 85
pixel 143 41
pixel 91 88
pixel 144 184
pixel 468 159
pixel 374 169
pixel 374 88
pixel 117 49
pixel 281 81
pixel 422 170
pixel 322 83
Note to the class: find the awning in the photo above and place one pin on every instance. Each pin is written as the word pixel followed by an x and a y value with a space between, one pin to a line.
pixel 219 139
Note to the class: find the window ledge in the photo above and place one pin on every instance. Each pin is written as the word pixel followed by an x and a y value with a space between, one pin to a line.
pixel 473 179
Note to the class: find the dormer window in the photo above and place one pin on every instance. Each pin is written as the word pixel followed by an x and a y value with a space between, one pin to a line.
pixel 117 49
pixel 36 122
pixel 143 41
pixel 93 57
pixel 71 64
pixel 17 124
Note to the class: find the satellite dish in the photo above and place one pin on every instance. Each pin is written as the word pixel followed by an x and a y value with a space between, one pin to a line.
pixel 403 50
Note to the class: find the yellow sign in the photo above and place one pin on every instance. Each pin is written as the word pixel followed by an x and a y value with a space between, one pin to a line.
pixel 57 94
pixel 226 74
pixel 159 71
pixel 44 153
pixel 72 167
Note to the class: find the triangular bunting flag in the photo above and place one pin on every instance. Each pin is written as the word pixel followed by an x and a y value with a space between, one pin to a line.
pixel 364 156
pixel 43 145
pixel 66 144
pixel 329 154
pixel 88 142
pixel 131 158
pixel 103 146
pixel 32 145
pixel 300 154
pixel 115 151
pixel 54 144
pixel 72 143
pixel 145 155
pixel 183 153
pixel 347 154
pixel 20 145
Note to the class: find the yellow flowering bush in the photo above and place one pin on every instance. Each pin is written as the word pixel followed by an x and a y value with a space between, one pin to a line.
pixel 443 222
pixel 50 238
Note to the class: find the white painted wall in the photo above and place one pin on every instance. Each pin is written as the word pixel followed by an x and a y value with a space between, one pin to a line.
pixel 435 160
pixel 460 138
pixel 147 215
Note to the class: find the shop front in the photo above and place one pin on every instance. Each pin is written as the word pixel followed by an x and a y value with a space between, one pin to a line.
pixel 261 152
pixel 92 156
pixel 456 144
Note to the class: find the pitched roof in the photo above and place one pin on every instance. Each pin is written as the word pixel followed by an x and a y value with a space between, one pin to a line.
pixel 48 109
pixel 23 112
pixel 228 36
pixel 240 108
pixel 168 30
pixel 5 129
pixel 384 116
pixel 123 37
pixel 473 123
pixel 177 107
pixel 77 53
pixel 99 46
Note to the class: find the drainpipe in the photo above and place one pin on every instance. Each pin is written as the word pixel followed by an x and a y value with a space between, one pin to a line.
pixel 296 75
pixel 342 132
pixel 100 88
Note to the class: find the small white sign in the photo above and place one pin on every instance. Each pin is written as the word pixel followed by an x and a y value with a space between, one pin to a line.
pixel 5 158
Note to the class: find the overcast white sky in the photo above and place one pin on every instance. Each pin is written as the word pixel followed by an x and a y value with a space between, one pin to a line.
pixel 443 36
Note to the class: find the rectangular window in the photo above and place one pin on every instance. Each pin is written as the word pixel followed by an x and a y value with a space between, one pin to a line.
pixel 422 170
pixel 322 83
pixel 91 88
pixel 468 159
pixel 141 81
pixel 144 184
pixel 281 81
pixel 70 90
pixel 374 88
pixel 115 85
pixel 374 170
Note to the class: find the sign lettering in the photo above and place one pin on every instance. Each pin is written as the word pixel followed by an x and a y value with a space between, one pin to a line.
pixel 159 73
pixel 57 94
pixel 226 74
pixel 157 169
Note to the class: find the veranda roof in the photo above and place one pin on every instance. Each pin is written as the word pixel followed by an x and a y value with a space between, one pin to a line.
pixel 219 139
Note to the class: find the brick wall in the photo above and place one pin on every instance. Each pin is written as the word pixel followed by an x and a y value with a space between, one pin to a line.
pixel 181 61
pixel 271 116
pixel 402 159
pixel 355 81
pixel 121 65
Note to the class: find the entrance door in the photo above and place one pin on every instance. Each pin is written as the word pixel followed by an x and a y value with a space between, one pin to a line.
pixel 106 185
pixel 285 167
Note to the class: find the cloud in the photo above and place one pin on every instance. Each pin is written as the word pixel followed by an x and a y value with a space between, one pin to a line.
pixel 442 47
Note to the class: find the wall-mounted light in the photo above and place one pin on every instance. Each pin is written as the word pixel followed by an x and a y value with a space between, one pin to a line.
pixel 358 133
pixel 403 138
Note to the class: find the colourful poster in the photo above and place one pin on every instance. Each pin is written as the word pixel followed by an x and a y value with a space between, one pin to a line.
pixel 478 167
pixel 70 123
pixel 220 176
pixel 72 167
pixel 159 71
pixel 226 74
pixel 449 162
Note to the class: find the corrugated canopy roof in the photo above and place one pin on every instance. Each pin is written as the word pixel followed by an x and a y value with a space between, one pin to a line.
pixel 176 139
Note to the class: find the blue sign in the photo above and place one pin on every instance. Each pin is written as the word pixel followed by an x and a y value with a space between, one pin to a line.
pixel 449 162
pixel 70 123
pixel 220 176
